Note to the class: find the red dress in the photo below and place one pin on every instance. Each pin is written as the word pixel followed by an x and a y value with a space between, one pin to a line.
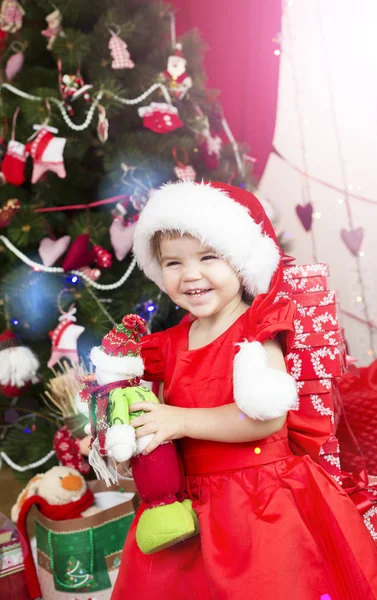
pixel 273 526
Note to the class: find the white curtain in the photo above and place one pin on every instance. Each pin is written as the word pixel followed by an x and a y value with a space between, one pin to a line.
pixel 327 126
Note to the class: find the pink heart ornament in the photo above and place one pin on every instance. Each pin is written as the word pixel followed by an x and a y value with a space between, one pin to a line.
pixel 121 236
pixel 353 239
pixel 305 214
pixel 51 250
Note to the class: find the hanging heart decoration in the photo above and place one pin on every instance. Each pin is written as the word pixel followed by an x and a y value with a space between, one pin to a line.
pixel 305 214
pixel 353 239
pixel 51 250
pixel 80 254
pixel 121 236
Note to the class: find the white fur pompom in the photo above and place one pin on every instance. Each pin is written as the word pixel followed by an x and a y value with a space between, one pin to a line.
pixel 18 366
pixel 260 391
pixel 120 442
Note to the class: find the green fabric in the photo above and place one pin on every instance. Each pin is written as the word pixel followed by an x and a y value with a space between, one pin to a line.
pixel 121 400
pixel 107 539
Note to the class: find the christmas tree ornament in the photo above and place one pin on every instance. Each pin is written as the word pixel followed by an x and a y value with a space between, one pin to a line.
pixel 175 75
pixel 80 254
pixel 160 117
pixel 7 212
pixel 210 149
pixel 71 88
pixel 119 53
pixel 137 201
pixel 103 257
pixel 305 214
pixel 47 153
pixel 93 274
pixel 183 170
pixel 18 365
pixel 13 165
pixel 353 238
pixel 51 250
pixel 64 337
pixel 11 14
pixel 103 125
pixel 54 27
pixel 215 117
pixel 16 61
pixel 121 236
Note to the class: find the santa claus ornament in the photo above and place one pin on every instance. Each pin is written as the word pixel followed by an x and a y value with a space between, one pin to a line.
pixel 175 75
pixel 71 88
pixel 160 117
pixel 18 365
pixel 119 53
pixel 11 14
pixel 64 337
pixel 47 153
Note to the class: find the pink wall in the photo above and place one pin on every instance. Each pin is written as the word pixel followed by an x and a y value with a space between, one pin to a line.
pixel 240 62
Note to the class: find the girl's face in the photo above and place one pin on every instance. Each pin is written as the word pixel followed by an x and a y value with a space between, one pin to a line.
pixel 196 279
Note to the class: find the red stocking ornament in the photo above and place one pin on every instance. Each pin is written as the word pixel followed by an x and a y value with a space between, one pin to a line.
pixel 160 117
pixel 13 165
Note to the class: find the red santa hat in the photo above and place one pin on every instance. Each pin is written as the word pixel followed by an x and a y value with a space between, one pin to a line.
pixel 120 349
pixel 178 51
pixel 233 222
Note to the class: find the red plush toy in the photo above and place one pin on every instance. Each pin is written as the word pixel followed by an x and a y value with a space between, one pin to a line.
pixel 166 516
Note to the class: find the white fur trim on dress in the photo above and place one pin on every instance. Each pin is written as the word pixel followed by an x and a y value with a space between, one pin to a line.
pixel 120 442
pixel 260 391
pixel 212 216
pixel 125 365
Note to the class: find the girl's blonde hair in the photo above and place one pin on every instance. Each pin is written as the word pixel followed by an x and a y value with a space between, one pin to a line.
pixel 170 234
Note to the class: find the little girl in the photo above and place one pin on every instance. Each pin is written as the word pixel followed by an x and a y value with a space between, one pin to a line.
pixel 273 526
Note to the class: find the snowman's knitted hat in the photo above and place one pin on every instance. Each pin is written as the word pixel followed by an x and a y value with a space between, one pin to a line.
pixel 120 349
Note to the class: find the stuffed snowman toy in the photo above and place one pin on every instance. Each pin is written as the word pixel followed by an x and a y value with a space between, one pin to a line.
pixel 167 516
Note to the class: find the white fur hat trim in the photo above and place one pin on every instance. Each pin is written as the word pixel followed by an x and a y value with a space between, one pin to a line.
pixel 260 391
pixel 212 216
pixel 126 365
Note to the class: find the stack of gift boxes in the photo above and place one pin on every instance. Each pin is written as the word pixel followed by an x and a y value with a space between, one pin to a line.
pixel 318 354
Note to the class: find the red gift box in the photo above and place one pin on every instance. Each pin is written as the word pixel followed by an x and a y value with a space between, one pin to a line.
pixel 312 339
pixel 304 278
pixel 329 458
pixel 317 363
pixel 314 386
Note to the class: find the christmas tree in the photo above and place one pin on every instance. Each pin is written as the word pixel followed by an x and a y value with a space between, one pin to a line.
pixel 100 104
pixel 76 576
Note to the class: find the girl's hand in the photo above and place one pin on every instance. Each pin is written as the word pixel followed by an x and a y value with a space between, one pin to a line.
pixel 165 422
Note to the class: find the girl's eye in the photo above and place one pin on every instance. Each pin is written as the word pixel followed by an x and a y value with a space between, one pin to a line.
pixel 209 257
pixel 172 263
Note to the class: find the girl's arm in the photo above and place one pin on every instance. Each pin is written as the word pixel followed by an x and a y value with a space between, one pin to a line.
pixel 221 424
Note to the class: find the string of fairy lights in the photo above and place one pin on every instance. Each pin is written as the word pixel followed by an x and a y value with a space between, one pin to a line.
pixel 346 190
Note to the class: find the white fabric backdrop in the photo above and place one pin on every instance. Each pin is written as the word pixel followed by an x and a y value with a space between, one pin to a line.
pixel 339 64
